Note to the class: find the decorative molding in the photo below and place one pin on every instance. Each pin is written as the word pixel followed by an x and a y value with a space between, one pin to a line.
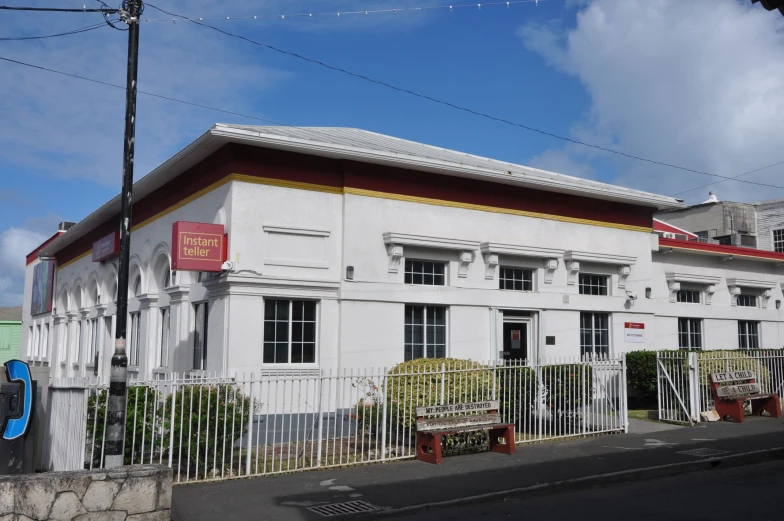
pixel 674 280
pixel 60 319
pixel 464 259
pixel 674 287
pixel 395 252
pixel 572 270
pixel 265 286
pixel 425 241
pixel 177 294
pixel 764 298
pixel 623 274
pixel 550 265
pixel 520 251
pixel 147 300
pixel 735 285
pixel 709 291
pixel 101 309
pixel 288 230
pixel 599 258
pixel 491 265
pixel 748 283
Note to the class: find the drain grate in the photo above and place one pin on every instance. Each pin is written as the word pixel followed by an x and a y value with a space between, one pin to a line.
pixel 341 509
pixel 703 452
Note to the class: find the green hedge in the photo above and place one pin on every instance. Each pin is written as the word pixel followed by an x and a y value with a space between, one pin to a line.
pixel 567 387
pixel 641 374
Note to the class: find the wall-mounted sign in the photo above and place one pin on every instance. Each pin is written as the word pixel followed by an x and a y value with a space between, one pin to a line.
pixel 107 247
pixel 516 336
pixel 634 332
pixel 43 283
pixel 198 246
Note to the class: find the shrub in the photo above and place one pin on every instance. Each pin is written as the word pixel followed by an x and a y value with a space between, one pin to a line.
pixel 723 361
pixel 641 374
pixel 368 410
pixel 567 387
pixel 518 393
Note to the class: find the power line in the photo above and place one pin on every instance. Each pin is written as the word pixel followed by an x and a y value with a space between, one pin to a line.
pixel 151 94
pixel 60 10
pixel 364 12
pixel 450 104
pixel 734 178
pixel 76 31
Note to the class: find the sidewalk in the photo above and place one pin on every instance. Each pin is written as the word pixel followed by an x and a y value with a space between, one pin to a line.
pixel 655 449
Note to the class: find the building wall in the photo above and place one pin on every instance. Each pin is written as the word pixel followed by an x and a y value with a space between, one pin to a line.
pixel 718 219
pixel 10 340
pixel 769 217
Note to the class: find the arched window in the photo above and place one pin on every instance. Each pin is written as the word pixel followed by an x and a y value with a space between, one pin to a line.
pixel 137 286
pixel 96 297
pixel 114 292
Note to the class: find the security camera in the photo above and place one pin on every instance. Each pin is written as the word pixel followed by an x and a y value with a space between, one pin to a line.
pixel 631 295
pixel 227 266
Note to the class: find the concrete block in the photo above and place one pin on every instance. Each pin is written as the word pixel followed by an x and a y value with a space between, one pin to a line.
pixel 34 498
pixel 102 516
pixel 6 499
pixel 98 476
pixel 100 495
pixel 165 492
pixel 160 515
pixel 72 482
pixel 7 517
pixel 66 507
pixel 137 495
pixel 709 416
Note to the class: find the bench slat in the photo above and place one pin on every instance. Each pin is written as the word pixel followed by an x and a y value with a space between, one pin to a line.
pixel 738 390
pixel 732 375
pixel 454 422
pixel 468 429
pixel 489 405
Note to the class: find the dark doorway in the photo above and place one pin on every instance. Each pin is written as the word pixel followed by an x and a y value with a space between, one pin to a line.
pixel 515 341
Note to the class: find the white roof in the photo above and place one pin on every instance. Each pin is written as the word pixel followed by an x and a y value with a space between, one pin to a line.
pixel 363 146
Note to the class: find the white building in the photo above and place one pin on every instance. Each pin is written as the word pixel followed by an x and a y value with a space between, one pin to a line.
pixel 770 225
pixel 352 250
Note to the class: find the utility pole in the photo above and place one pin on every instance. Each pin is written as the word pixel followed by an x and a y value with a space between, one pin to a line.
pixel 118 383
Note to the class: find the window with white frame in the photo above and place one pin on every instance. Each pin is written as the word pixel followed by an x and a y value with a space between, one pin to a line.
pixel 133 352
pixel 425 332
pixel 778 240
pixel 516 279
pixel 690 333
pixel 593 284
pixel 746 300
pixel 689 296
pixel 289 331
pixel 163 359
pixel 201 312
pixel 425 273
pixel 594 334
pixel 92 331
pixel 748 334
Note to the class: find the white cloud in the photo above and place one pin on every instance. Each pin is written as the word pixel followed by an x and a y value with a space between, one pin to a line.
pixel 15 244
pixel 695 83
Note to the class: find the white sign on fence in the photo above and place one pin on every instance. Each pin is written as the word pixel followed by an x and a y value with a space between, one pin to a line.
pixel 737 390
pixel 732 375
pixel 634 332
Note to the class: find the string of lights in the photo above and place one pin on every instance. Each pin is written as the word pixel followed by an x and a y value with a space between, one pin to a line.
pixel 363 12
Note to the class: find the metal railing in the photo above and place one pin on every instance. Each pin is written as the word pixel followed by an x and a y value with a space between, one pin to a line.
pixel 675 377
pixel 211 427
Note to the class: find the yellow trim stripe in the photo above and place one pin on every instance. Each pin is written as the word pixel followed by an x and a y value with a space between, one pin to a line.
pixel 282 183
pixel 695 250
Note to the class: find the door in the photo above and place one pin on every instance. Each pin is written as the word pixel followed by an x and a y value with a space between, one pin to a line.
pixel 515 341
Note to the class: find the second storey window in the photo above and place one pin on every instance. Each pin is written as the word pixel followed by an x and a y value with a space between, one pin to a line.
pixel 516 279
pixel 748 334
pixel 593 284
pixel 202 312
pixel 689 296
pixel 778 240
pixel 425 273
pixel 289 331
pixel 133 358
pixel 690 333
pixel 747 301
pixel 425 332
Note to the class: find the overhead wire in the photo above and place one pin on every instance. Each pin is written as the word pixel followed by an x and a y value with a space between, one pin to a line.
pixel 67 33
pixel 733 178
pixel 452 105
pixel 59 9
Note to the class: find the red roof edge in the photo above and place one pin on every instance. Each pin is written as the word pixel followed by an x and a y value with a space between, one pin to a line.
pixel 721 249
pixel 34 254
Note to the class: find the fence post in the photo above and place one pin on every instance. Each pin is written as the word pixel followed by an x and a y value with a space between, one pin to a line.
pixel 624 395
pixel 320 417
pixel 443 382
pixel 584 363
pixel 694 387
pixel 384 415
pixel 250 427
pixel 658 385
pixel 173 417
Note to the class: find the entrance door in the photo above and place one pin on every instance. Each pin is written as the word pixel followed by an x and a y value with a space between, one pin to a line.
pixel 515 341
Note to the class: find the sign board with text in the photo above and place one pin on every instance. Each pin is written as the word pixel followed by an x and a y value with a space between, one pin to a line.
pixel 634 332
pixel 198 246
pixel 107 247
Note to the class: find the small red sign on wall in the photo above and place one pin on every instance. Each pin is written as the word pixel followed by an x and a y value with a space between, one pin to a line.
pixel 107 247
pixel 198 246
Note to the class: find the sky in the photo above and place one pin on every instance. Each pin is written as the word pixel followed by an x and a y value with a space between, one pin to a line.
pixel 696 84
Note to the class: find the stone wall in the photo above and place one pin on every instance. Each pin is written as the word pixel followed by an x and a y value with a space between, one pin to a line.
pixel 136 493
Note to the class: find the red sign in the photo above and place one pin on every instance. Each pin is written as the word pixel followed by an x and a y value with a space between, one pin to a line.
pixel 515 334
pixel 198 246
pixel 633 325
pixel 107 247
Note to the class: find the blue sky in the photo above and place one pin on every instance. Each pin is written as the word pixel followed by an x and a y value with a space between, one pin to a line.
pixel 693 83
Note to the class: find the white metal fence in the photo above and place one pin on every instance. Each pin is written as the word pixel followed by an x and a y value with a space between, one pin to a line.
pixel 217 428
pixel 683 385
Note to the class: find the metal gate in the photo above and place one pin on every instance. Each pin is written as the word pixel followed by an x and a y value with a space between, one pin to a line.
pixel 676 380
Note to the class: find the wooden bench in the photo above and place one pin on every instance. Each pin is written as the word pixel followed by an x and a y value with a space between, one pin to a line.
pixel 729 399
pixel 462 417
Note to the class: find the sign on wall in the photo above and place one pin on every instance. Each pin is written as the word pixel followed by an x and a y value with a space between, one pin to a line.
pixel 107 247
pixel 43 282
pixel 198 246
pixel 634 332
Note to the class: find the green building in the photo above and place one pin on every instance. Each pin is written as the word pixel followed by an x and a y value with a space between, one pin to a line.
pixel 10 333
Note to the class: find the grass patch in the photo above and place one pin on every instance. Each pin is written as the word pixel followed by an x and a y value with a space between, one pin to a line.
pixel 641 414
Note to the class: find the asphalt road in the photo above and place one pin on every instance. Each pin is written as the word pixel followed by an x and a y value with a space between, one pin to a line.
pixel 750 492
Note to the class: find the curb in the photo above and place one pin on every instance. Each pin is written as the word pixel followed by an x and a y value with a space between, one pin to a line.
pixel 734 460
